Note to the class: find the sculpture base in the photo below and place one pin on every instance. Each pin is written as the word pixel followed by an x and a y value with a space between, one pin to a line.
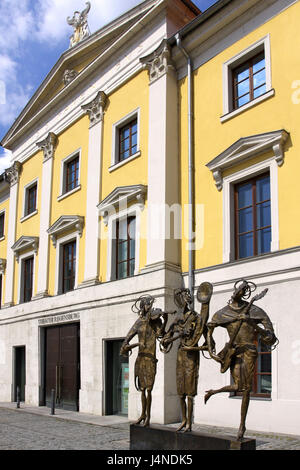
pixel 158 437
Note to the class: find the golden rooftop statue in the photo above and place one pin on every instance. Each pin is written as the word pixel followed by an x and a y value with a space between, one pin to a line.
pixel 80 25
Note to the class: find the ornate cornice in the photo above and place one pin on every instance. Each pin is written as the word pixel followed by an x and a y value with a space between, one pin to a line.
pixel 95 108
pixel 13 173
pixel 66 223
pixel 120 196
pixel 159 62
pixel 48 145
pixel 24 243
pixel 246 148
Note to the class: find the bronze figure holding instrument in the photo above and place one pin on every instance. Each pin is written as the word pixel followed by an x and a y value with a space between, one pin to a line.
pixel 241 319
pixel 189 330
pixel 148 327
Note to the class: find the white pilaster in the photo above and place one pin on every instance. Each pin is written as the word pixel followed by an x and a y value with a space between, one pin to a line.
pixel 95 110
pixel 163 160
pixel 13 174
pixel 48 146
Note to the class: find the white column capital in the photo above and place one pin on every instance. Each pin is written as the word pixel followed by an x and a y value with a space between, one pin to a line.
pixel 13 173
pixel 159 62
pixel 95 108
pixel 48 145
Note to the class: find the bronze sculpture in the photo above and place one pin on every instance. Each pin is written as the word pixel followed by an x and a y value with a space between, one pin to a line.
pixel 241 319
pixel 189 330
pixel 149 327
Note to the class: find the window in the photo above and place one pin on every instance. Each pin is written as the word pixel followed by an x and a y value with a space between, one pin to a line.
pixel 27 279
pixel 253 217
pixel 127 140
pixel 68 266
pixel 72 174
pixel 2 219
pixel 249 80
pixel 125 247
pixel 30 199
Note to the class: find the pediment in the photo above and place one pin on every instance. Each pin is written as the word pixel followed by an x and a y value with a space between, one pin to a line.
pixel 25 243
pixel 122 195
pixel 64 224
pixel 246 148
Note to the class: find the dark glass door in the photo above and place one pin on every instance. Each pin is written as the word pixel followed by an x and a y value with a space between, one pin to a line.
pixel 20 372
pixel 117 379
pixel 62 368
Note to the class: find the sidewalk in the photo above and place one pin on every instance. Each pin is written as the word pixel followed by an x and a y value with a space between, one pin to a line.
pixel 110 432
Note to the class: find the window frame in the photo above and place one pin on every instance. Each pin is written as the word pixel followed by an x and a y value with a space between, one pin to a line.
pixel 117 127
pixel 60 242
pixel 234 62
pixel 63 179
pixel 253 180
pixel 127 241
pixel 268 165
pixel 22 258
pixel 135 210
pixel 25 214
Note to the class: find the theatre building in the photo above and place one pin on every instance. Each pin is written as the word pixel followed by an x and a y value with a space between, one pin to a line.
pixel 163 116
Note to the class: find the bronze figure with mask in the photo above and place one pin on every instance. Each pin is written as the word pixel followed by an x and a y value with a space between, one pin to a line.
pixel 188 329
pixel 149 327
pixel 241 320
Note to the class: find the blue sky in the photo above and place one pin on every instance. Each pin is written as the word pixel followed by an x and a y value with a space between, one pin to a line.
pixel 33 35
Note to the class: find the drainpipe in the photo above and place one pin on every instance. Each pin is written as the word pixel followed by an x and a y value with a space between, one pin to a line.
pixel 190 165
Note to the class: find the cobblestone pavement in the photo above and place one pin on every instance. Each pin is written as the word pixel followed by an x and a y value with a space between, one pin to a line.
pixel 34 429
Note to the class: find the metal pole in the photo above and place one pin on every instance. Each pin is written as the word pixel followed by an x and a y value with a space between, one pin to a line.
pixel 52 401
pixel 18 397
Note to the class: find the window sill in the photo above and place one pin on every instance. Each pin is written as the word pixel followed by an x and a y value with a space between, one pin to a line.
pixel 69 193
pixel 234 397
pixel 247 106
pixel 26 217
pixel 127 160
pixel 2 238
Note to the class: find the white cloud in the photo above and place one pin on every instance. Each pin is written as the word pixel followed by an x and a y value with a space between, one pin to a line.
pixel 5 160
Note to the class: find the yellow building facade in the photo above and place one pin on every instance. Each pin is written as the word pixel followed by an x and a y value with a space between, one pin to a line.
pixel 130 167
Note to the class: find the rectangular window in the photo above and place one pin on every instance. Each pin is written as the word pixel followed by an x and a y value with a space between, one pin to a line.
pixel 69 266
pixel 2 219
pixel 127 140
pixel 253 217
pixel 249 80
pixel 27 278
pixel 30 202
pixel 71 174
pixel 125 248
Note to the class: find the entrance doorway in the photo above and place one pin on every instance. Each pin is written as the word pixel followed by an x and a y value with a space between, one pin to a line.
pixel 62 365
pixel 20 372
pixel 116 380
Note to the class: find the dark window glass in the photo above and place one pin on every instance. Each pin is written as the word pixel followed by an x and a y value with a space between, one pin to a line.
pixel 249 80
pixel 125 252
pixel 27 279
pixel 127 140
pixel 72 174
pixel 0 290
pixel 2 218
pixel 253 217
pixel 31 200
pixel 69 266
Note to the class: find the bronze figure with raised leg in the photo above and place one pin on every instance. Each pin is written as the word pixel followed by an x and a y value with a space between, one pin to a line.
pixel 241 319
